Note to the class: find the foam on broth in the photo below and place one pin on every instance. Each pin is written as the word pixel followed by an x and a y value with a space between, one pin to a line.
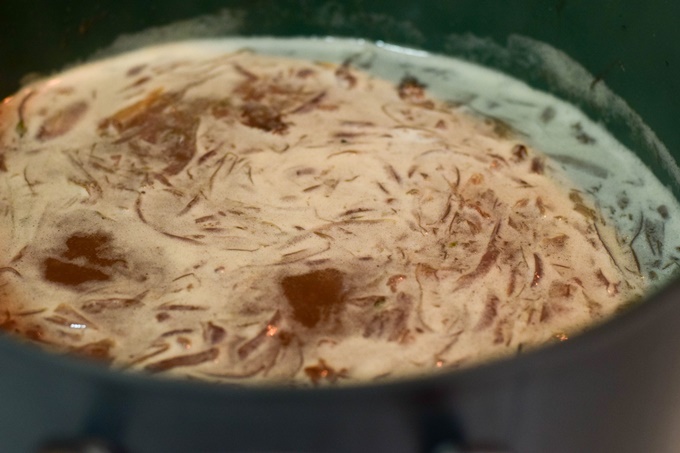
pixel 217 210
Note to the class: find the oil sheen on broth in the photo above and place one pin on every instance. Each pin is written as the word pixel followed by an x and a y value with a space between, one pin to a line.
pixel 313 211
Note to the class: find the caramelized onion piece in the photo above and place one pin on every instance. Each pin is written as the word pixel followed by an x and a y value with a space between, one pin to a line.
pixel 62 121
pixel 183 361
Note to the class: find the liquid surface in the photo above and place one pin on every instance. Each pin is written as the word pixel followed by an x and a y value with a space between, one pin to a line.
pixel 206 210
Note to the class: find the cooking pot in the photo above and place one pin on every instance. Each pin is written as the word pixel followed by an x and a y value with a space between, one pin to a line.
pixel 615 388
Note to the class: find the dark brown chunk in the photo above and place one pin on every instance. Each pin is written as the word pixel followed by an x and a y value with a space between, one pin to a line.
pixel 86 258
pixel 313 296
pixel 92 247
pixel 58 271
